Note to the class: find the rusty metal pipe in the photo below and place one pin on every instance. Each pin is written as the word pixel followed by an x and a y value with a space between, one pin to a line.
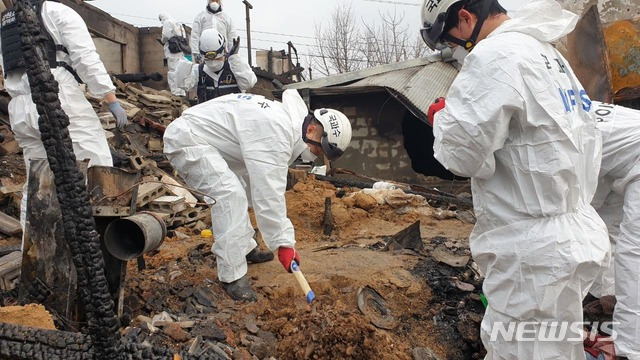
pixel 130 237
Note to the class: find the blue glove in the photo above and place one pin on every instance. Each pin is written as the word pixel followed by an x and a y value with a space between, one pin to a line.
pixel 119 113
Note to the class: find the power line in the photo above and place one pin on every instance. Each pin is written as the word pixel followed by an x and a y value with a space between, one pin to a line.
pixel 279 34
pixel 393 2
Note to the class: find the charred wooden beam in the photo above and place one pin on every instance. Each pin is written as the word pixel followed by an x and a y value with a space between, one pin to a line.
pixel 327 221
pixel 139 77
pixel 78 223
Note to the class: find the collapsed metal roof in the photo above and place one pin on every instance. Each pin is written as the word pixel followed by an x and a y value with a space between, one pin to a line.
pixel 415 83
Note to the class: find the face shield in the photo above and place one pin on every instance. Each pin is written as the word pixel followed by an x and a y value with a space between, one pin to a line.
pixel 331 150
pixel 432 32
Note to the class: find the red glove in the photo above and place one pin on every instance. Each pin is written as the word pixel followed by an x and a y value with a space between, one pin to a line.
pixel 437 105
pixel 286 255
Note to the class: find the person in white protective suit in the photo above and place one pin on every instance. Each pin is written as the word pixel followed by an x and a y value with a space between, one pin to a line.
pixel 211 17
pixel 617 200
pixel 170 30
pixel 214 144
pixel 73 58
pixel 520 125
pixel 220 74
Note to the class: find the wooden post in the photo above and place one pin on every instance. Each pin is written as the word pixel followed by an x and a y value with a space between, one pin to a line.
pixel 327 222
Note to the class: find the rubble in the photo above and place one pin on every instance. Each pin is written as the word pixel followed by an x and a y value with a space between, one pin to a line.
pixel 176 302
pixel 8 145
pixel 450 259
pixel 10 270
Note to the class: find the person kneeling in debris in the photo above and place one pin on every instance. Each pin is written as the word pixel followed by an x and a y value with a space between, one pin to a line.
pixel 73 59
pixel 220 74
pixel 617 201
pixel 214 144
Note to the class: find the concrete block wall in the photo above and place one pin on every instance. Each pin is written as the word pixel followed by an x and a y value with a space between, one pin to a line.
pixel 377 145
pixel 110 53
pixel 114 32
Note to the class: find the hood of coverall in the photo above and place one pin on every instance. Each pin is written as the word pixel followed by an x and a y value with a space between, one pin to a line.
pixel 545 20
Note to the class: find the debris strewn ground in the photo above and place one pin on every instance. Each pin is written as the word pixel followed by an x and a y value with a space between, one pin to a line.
pixel 427 303
pixel 181 280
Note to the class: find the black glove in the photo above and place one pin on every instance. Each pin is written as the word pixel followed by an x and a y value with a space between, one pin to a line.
pixel 234 48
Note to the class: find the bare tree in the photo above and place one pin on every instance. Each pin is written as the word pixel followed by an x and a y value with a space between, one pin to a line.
pixel 390 41
pixel 336 48
pixel 342 45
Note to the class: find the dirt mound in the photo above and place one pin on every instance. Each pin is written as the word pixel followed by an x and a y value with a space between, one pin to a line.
pixel 33 315
pixel 329 329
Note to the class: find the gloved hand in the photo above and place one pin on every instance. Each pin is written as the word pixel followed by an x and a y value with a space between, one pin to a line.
pixel 119 113
pixel 286 255
pixel 437 105
pixel 234 48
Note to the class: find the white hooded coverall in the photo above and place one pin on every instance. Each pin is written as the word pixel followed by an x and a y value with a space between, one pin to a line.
pixel 171 28
pixel 214 144
pixel 518 122
pixel 617 200
pixel 89 141
pixel 206 19
pixel 186 74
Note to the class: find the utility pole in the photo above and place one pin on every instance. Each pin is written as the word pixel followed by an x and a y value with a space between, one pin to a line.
pixel 247 8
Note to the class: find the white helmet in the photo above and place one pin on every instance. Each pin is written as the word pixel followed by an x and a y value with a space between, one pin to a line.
pixel 212 44
pixel 434 15
pixel 337 132
pixel 163 16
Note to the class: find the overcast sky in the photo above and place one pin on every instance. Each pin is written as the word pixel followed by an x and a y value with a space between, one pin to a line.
pixel 273 22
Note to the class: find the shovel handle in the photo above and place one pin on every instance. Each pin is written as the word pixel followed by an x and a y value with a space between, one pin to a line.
pixel 304 285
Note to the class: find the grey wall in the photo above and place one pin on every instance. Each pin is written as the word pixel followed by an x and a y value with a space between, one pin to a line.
pixel 103 25
pixel 152 55
pixel 377 147
pixel 110 53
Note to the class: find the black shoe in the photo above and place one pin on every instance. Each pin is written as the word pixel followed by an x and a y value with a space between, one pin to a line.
pixel 240 289
pixel 256 256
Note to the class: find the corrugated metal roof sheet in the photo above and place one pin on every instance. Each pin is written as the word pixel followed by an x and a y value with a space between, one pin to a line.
pixel 345 78
pixel 419 85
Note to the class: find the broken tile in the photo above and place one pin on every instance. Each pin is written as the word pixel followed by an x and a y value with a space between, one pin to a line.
pixel 450 259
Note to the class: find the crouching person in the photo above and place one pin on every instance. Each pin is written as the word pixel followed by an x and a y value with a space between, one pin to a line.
pixel 214 145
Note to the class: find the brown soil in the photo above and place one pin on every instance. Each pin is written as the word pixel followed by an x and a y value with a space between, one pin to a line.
pixel 336 267
pixel 33 315
pixel 427 311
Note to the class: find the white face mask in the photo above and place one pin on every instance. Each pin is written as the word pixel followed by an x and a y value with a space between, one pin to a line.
pixel 459 53
pixel 214 6
pixel 214 65
pixel 307 155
